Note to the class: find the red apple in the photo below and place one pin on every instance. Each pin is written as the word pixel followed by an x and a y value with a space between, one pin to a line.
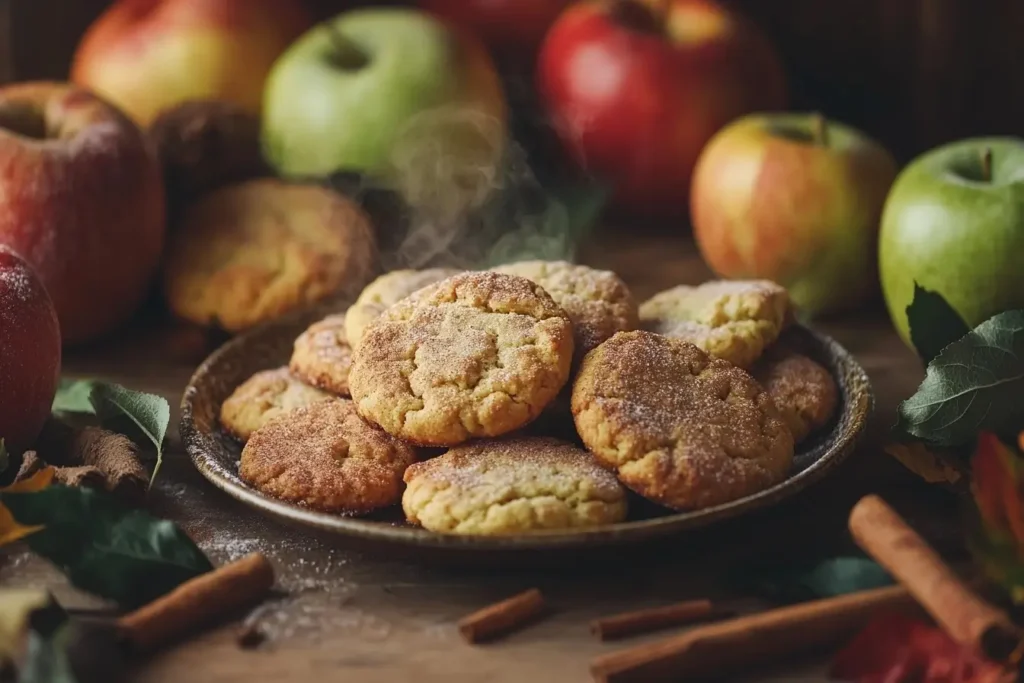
pixel 149 55
pixel 507 26
pixel 82 199
pixel 795 199
pixel 637 88
pixel 29 353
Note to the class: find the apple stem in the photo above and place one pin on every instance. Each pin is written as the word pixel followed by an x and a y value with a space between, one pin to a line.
pixel 819 129
pixel 986 164
pixel 346 54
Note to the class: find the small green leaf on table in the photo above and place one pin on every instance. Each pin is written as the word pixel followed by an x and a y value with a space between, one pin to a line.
pixel 934 324
pixel 828 578
pixel 974 384
pixel 105 548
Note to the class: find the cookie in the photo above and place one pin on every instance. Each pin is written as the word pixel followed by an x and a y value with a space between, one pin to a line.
pixel 803 390
pixel 387 290
pixel 732 320
pixel 263 397
pixel 327 458
pixel 680 428
pixel 322 357
pixel 598 302
pixel 477 355
pixel 253 251
pixel 513 486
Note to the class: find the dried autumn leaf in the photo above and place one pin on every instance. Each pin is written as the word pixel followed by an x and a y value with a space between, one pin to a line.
pixel 996 486
pixel 935 467
pixel 10 530
pixel 894 648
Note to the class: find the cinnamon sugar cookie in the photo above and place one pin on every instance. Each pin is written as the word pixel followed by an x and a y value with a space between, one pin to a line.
pixel 328 458
pixel 803 390
pixel 679 427
pixel 263 397
pixel 512 486
pixel 322 357
pixel 732 320
pixel 384 292
pixel 598 302
pixel 479 354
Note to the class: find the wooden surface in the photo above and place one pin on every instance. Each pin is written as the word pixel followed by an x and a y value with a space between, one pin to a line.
pixel 354 615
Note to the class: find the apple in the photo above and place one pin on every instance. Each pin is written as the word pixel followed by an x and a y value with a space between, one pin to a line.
pixel 148 55
pixel 796 199
pixel 82 199
pixel 954 224
pixel 636 89
pixel 509 27
pixel 30 349
pixel 379 90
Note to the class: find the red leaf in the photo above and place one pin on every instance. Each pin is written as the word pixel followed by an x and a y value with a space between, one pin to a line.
pixel 897 649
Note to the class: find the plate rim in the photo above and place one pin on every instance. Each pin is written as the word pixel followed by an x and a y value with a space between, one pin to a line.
pixel 860 410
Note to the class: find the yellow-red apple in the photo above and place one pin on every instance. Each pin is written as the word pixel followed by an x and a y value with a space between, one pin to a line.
pixel 82 199
pixel 795 199
pixel 29 352
pixel 149 55
pixel 637 87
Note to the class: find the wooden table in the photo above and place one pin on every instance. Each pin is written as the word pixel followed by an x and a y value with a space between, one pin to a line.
pixel 350 615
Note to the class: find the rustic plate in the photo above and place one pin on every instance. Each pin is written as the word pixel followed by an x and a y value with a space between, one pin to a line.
pixel 216 454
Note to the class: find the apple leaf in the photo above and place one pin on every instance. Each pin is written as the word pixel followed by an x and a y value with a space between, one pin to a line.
pixel 934 324
pixel 73 396
pixel 973 385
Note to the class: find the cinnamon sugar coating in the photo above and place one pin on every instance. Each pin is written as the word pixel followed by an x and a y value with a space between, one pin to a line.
pixel 679 427
pixel 328 458
pixel 802 389
pixel 263 397
pixel 509 486
pixel 732 320
pixel 598 302
pixel 386 291
pixel 322 356
pixel 476 355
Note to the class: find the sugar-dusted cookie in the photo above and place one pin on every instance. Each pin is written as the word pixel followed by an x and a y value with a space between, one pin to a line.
pixel 384 292
pixel 263 397
pixel 802 389
pixel 733 320
pixel 328 458
pixel 512 486
pixel 598 302
pixel 679 427
pixel 477 355
pixel 322 357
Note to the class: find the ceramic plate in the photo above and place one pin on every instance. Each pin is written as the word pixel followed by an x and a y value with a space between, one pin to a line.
pixel 216 454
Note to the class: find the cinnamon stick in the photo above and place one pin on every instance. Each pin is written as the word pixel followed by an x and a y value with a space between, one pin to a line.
pixel 196 602
pixel 965 616
pixel 647 620
pixel 503 617
pixel 738 644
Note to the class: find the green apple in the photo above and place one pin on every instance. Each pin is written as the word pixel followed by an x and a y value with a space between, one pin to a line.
pixel 954 223
pixel 355 92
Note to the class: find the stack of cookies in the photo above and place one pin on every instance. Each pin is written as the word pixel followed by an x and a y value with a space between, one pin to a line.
pixel 687 400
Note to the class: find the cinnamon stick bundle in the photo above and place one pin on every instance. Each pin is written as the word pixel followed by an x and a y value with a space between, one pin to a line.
pixel 965 616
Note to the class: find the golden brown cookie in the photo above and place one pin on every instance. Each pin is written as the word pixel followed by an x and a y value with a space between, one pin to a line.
pixel 512 486
pixel 679 427
pixel 263 397
pixel 598 302
pixel 733 320
pixel 251 252
pixel 803 390
pixel 387 290
pixel 328 458
pixel 322 357
pixel 479 354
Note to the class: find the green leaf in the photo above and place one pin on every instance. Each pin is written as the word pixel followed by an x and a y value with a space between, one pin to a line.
pixel 825 579
pixel 934 324
pixel 974 384
pixel 105 548
pixel 151 414
pixel 73 396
